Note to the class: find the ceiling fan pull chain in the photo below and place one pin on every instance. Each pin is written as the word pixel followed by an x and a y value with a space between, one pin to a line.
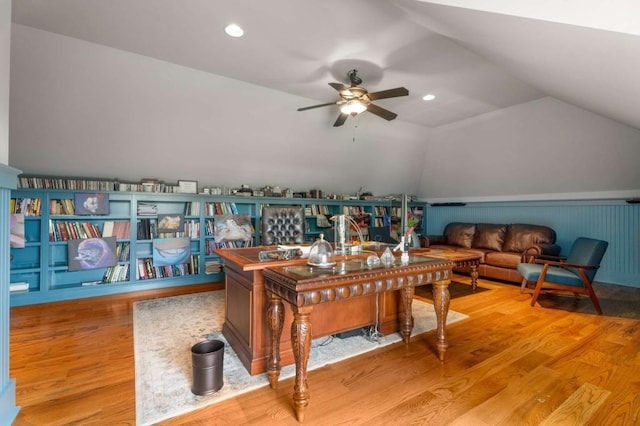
pixel 355 126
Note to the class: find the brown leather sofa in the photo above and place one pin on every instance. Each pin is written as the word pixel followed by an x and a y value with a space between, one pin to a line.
pixel 502 247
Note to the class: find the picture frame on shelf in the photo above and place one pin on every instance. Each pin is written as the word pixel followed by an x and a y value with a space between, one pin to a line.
pixel 171 251
pixel 91 253
pixel 188 186
pixel 168 223
pixel 90 204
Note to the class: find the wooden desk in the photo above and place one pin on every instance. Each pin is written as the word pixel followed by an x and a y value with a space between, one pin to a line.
pixel 305 288
pixel 246 327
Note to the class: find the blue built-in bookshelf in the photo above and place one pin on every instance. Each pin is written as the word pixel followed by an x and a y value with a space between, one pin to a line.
pixel 615 221
pixel 131 224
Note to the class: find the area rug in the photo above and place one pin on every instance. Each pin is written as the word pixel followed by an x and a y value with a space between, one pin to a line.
pixel 165 329
pixel 456 290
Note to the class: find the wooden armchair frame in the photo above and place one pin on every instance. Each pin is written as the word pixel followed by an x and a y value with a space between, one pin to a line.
pixel 565 274
pixel 543 286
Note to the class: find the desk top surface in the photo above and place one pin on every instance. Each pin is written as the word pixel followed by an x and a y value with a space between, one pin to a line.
pixel 353 265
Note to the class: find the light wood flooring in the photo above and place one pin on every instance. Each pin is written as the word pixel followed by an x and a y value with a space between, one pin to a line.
pixel 507 364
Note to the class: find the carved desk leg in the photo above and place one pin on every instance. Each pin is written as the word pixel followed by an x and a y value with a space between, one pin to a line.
pixel 406 317
pixel 301 344
pixel 275 319
pixel 441 299
pixel 474 277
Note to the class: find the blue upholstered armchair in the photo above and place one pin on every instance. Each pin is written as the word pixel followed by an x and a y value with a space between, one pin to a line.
pixel 575 274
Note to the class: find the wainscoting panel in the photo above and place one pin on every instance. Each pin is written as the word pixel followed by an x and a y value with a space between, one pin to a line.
pixel 614 221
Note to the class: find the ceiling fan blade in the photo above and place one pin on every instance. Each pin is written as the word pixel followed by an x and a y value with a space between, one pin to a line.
pixel 317 106
pixel 381 112
pixel 391 93
pixel 339 86
pixel 341 119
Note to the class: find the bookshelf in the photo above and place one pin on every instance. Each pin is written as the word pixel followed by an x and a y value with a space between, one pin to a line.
pixel 41 270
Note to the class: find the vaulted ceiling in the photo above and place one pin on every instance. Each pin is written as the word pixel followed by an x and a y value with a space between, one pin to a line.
pixel 474 56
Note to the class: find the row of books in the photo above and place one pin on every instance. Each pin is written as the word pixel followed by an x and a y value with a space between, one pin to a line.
pixel 192 208
pixel 62 206
pixel 209 227
pixel 26 206
pixel 116 274
pixel 147 229
pixel 41 182
pixel 121 230
pixel 146 270
pixel 212 245
pixel 47 182
pixel 192 228
pixel 65 231
pixel 212 209
pixel 122 251
pixel 316 209
pixel 353 210
pixel 381 210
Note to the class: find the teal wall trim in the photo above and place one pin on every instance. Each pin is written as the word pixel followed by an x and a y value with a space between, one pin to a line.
pixel 8 408
pixel 614 221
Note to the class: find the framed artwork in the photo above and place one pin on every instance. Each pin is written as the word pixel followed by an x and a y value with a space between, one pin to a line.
pixel 170 223
pixel 188 186
pixel 91 253
pixel 171 251
pixel 17 231
pixel 232 227
pixel 91 204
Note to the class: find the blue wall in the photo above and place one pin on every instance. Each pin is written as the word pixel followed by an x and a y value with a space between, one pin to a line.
pixel 614 221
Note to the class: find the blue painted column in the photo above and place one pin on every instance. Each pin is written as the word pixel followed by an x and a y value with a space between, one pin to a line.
pixel 8 408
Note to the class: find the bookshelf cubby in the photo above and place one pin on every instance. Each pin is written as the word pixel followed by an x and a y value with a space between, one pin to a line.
pixel 42 265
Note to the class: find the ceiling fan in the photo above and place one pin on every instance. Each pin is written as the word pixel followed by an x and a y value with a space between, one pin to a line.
pixel 355 99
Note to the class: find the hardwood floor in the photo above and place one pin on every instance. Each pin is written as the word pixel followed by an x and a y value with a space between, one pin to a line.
pixel 507 364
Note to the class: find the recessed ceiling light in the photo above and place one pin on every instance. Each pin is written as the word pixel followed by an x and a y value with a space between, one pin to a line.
pixel 234 30
pixel 428 97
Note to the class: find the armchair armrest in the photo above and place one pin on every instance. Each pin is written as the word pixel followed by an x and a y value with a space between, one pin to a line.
pixel 564 264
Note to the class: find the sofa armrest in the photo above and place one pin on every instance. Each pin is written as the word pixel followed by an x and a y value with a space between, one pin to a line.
pixel 430 240
pixel 540 251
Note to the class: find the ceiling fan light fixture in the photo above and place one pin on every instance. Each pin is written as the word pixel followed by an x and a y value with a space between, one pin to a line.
pixel 234 30
pixel 354 107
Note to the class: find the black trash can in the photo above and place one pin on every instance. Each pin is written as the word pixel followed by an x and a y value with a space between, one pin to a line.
pixel 207 358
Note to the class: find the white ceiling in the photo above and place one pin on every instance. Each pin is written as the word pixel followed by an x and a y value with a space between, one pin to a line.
pixel 474 61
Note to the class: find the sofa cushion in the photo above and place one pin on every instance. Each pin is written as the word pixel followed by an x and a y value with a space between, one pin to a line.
pixel 460 234
pixel 503 259
pixel 489 236
pixel 522 236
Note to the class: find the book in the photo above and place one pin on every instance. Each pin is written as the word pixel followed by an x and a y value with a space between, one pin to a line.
pixel 19 286
pixel 107 229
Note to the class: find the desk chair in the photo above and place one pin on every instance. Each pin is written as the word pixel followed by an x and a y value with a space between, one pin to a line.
pixel 282 225
pixel 575 274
